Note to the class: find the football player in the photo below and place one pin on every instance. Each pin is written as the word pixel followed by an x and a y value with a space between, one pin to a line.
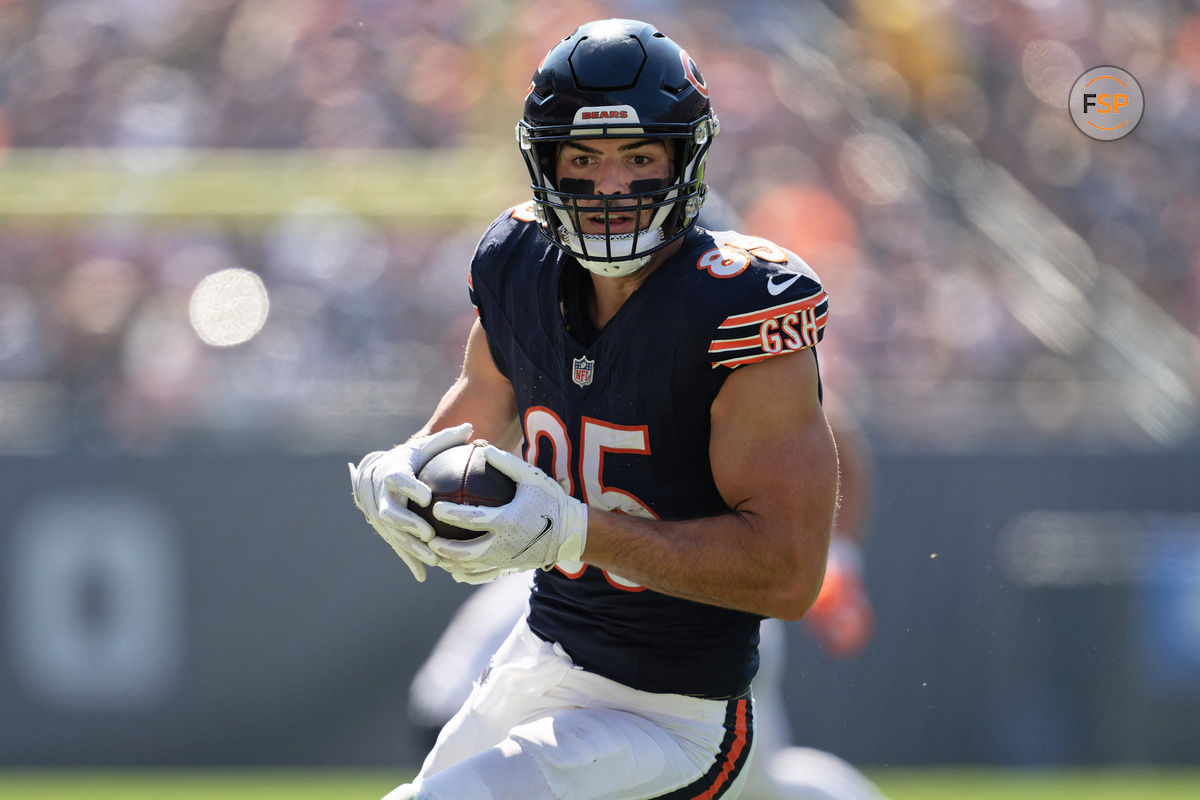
pixel 679 476
pixel 841 620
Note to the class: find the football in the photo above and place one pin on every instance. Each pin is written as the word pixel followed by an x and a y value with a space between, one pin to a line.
pixel 462 475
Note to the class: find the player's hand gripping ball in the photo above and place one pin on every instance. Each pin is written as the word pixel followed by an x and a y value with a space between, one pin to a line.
pixel 460 474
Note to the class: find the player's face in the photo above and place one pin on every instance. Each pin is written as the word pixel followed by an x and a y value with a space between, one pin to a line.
pixel 612 165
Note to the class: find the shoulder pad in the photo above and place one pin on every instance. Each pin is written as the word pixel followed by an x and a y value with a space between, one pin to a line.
pixel 779 305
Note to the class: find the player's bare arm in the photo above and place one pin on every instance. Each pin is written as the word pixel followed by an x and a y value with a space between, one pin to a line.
pixel 481 396
pixel 775 463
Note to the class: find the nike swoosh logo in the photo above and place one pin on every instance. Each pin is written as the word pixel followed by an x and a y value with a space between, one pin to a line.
pixel 534 540
pixel 775 288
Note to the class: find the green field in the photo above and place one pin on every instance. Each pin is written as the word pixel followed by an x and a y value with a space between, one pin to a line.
pixel 897 784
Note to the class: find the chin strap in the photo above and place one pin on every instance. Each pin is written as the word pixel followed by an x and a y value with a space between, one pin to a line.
pixel 619 246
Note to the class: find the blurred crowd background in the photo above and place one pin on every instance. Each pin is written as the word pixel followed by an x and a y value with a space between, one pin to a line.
pixel 997 278
pixel 234 241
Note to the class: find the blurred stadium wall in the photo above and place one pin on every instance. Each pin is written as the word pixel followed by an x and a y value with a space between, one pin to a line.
pixel 233 248
pixel 1032 608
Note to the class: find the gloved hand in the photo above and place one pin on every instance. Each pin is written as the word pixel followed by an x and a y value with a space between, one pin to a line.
pixel 384 483
pixel 842 618
pixel 540 526
pixel 474 574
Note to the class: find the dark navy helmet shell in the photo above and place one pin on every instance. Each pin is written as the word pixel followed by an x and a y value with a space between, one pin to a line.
pixel 617 78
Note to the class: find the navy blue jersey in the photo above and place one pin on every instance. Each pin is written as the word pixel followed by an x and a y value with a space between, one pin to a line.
pixel 620 417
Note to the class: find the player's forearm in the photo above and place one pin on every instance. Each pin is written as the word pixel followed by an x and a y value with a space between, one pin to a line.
pixel 492 420
pixel 481 396
pixel 734 560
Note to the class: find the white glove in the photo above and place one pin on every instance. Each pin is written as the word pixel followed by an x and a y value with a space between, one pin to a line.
pixel 383 484
pixel 474 574
pixel 541 525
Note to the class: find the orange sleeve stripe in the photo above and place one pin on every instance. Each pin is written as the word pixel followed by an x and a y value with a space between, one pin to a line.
pixel 734 344
pixel 749 342
pixel 722 345
pixel 733 363
pixel 775 311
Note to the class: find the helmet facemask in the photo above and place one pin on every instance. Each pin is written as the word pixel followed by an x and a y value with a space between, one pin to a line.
pixel 559 205
pixel 617 79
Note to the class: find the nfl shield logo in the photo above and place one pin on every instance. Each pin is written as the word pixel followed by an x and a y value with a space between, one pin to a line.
pixel 582 369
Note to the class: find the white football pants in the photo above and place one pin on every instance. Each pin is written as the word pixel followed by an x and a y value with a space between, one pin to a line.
pixel 538 728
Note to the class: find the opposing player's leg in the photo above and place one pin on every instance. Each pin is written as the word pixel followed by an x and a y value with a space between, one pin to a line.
pixel 780 771
pixel 481 624
pixel 536 727
pixel 802 773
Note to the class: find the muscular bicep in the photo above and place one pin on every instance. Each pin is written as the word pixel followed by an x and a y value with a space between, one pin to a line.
pixel 774 459
pixel 481 395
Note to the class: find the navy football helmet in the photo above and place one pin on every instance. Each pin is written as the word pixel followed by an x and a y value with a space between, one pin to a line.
pixel 617 78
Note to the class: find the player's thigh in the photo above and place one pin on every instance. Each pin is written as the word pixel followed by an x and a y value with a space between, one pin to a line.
pixel 596 753
pixel 515 690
